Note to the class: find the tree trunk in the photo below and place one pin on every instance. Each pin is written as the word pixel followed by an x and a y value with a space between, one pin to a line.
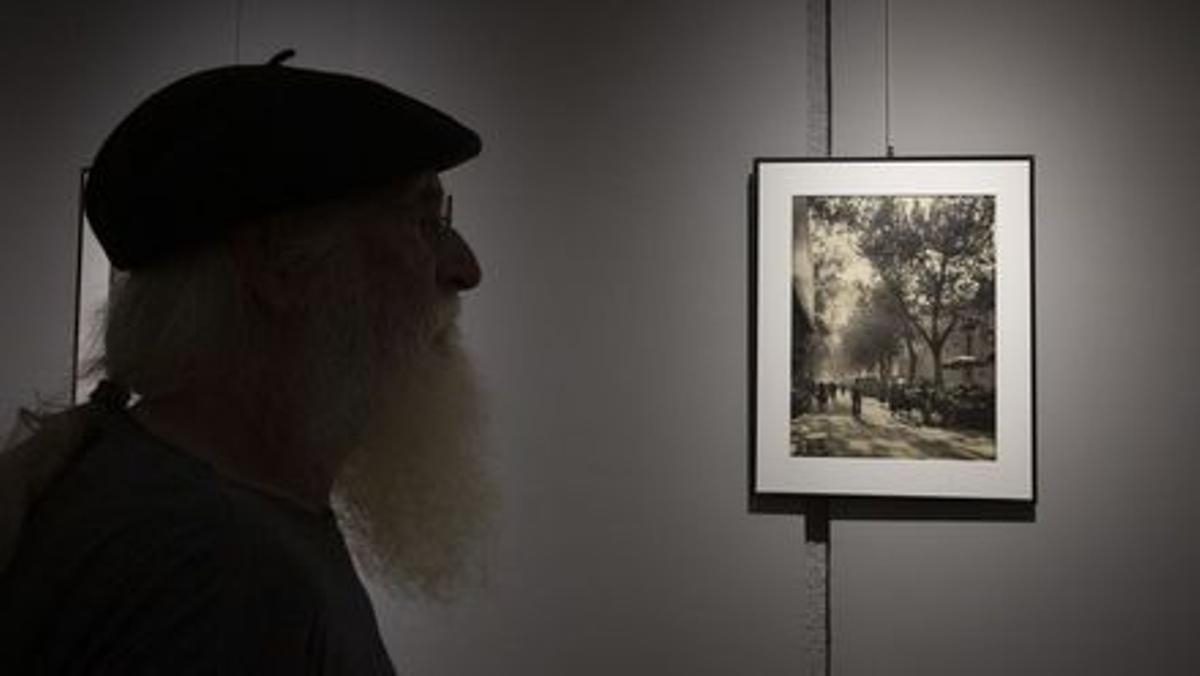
pixel 970 370
pixel 913 358
pixel 935 350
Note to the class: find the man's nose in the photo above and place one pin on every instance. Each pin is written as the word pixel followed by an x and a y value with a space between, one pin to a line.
pixel 457 267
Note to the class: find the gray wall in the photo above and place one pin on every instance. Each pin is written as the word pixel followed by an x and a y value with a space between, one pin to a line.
pixel 609 212
pixel 1105 581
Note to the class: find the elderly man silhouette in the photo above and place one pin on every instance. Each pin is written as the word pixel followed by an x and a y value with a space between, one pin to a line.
pixel 285 322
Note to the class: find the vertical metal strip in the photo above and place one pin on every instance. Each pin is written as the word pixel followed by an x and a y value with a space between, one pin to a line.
pixel 818 635
pixel 80 234
pixel 820 80
pixel 887 79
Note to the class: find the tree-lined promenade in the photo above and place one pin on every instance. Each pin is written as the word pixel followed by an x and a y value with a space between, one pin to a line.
pixel 880 433
pixel 903 292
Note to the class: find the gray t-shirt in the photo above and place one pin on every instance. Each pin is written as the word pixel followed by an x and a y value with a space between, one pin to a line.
pixel 144 560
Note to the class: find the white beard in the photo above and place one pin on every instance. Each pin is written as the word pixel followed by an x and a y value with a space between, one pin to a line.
pixel 379 374
pixel 413 497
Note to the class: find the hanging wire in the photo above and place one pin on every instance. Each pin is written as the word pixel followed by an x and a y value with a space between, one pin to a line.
pixel 237 32
pixel 887 78
pixel 828 78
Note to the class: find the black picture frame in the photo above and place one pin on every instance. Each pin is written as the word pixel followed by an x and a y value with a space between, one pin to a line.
pixel 778 476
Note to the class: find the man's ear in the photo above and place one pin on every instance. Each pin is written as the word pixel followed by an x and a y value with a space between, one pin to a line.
pixel 262 270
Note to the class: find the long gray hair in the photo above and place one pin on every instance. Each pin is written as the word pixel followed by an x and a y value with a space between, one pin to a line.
pixel 168 327
pixel 161 327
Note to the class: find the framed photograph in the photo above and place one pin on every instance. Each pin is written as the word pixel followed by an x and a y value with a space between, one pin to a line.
pixel 891 328
pixel 93 277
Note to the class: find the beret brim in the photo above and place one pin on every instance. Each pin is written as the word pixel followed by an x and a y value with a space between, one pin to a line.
pixel 231 144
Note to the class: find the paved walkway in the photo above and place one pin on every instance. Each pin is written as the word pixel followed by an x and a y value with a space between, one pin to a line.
pixel 879 434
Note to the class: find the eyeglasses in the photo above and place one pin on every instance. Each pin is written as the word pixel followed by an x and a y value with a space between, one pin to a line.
pixel 446 217
pixel 441 221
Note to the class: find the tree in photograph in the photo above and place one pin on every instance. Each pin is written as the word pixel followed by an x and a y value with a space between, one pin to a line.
pixel 934 256
pixel 883 304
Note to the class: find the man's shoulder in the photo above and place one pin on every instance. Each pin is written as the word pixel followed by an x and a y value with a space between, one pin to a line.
pixel 134 507
pixel 137 545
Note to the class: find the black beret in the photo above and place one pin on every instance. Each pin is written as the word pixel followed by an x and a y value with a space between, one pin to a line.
pixel 228 145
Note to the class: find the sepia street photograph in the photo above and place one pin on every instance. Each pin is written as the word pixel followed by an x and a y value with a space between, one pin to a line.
pixel 893 327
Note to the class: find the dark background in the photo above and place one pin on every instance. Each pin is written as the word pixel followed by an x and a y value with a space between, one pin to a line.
pixel 609 211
